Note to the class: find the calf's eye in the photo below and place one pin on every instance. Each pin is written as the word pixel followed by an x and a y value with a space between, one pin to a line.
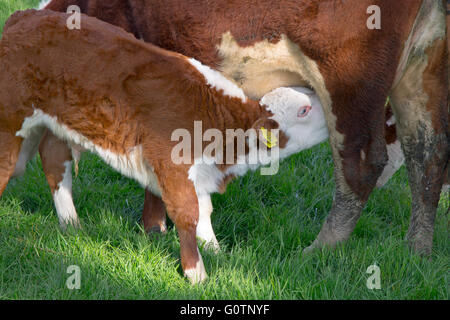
pixel 303 111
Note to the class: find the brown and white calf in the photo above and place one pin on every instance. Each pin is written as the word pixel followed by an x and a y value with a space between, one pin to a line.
pixel 327 46
pixel 102 90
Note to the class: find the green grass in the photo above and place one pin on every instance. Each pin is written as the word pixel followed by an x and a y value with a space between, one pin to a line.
pixel 262 224
pixel 7 7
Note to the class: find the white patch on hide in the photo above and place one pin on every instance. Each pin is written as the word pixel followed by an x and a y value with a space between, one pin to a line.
pixel 216 80
pixel 63 200
pixel 198 273
pixel 204 227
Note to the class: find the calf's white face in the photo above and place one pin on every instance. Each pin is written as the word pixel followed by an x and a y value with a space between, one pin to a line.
pixel 300 116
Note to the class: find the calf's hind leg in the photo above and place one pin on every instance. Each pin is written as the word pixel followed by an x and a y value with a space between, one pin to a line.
pixel 56 159
pixel 420 106
pixel 9 154
pixel 153 214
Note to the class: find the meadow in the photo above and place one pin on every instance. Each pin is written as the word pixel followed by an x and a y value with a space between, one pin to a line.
pixel 261 222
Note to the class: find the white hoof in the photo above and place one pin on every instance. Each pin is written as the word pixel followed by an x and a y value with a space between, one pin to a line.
pixel 210 244
pixel 70 223
pixel 198 274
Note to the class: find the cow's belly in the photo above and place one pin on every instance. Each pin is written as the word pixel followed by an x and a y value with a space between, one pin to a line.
pixel 264 66
pixel 256 86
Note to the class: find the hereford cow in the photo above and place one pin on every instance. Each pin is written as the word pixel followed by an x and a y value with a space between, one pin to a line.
pixel 124 99
pixel 328 46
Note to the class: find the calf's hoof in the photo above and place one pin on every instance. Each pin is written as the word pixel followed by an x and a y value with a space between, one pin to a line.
pixel 210 245
pixel 67 224
pixel 213 246
pixel 197 274
pixel 157 229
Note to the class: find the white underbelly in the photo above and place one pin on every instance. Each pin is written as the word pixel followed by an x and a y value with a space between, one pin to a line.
pixel 264 66
pixel 131 164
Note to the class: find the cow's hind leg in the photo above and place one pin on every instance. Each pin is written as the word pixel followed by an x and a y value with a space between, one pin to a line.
pixel 9 154
pixel 355 121
pixel 359 157
pixel 57 164
pixel 420 106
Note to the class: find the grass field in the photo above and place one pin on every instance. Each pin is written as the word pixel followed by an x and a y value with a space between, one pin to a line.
pixel 262 224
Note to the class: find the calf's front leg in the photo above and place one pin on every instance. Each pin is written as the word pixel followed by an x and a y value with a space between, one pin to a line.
pixel 179 196
pixel 204 227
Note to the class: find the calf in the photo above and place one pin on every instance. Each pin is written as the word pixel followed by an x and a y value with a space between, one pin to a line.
pixel 102 90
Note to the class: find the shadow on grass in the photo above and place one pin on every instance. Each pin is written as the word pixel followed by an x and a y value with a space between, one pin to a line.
pixel 262 224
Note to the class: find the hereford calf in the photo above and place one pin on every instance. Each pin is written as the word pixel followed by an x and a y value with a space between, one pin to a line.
pixel 101 89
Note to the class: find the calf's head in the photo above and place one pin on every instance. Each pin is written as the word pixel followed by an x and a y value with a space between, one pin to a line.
pixel 299 117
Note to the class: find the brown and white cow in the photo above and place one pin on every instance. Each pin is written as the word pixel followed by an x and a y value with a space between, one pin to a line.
pixel 326 44
pixel 101 89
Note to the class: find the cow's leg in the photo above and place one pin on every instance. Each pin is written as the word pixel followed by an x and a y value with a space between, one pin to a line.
pixel 359 153
pixel 57 164
pixel 153 214
pixel 204 227
pixel 9 154
pixel 420 106
pixel 357 169
pixel 182 207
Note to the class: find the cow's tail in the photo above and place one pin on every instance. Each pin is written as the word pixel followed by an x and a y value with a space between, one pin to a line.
pixel 447 182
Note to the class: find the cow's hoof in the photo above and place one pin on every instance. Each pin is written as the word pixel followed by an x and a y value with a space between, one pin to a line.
pixel 421 247
pixel 318 245
pixel 312 248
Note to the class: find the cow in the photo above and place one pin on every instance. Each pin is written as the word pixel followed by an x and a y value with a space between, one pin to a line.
pixel 327 46
pixel 125 99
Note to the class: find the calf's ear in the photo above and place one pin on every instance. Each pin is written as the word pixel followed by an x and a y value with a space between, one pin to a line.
pixel 267 123
pixel 268 133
